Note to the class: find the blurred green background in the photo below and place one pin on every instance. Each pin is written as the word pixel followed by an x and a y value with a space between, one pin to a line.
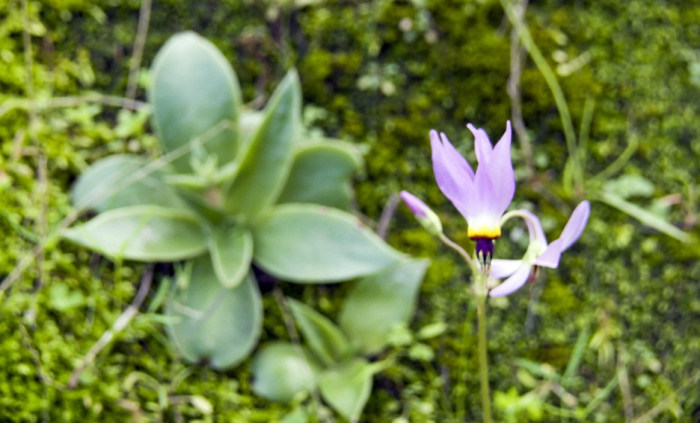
pixel 381 74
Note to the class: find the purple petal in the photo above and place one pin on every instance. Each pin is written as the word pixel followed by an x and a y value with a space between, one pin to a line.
pixel 485 195
pixel 503 268
pixel 415 204
pixel 452 172
pixel 534 227
pixel 576 224
pixel 482 144
pixel 550 257
pixel 500 170
pixel 513 283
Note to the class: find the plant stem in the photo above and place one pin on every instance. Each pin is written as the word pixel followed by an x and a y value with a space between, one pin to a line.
pixel 483 356
pixel 461 252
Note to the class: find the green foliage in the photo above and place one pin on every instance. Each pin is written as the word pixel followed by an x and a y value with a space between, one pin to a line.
pixel 312 244
pixel 422 65
pixel 213 323
pixel 193 89
pixel 143 233
pixel 344 376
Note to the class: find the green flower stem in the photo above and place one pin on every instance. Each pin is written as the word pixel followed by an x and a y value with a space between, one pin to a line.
pixel 483 357
pixel 481 291
pixel 461 252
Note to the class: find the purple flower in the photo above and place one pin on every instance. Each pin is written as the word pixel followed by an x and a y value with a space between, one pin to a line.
pixel 482 196
pixel 427 218
pixel 538 253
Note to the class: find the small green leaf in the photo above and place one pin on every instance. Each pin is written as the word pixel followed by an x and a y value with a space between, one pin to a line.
pixel 216 324
pixel 315 244
pixel 282 370
pixel 142 233
pixel 644 216
pixel 231 251
pixel 324 337
pixel 193 89
pixel 346 388
pixel 379 302
pixel 576 356
pixel 205 202
pixel 62 298
pixel 121 180
pixel 268 156
pixel 627 186
pixel 321 174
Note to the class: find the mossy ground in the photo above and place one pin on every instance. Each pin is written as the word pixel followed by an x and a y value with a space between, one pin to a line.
pixel 381 74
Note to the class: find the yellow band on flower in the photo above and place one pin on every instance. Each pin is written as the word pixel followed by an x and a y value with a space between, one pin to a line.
pixel 484 232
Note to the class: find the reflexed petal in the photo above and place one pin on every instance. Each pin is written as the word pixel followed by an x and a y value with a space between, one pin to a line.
pixel 452 172
pixel 534 227
pixel 576 224
pixel 550 257
pixel 513 283
pixel 482 144
pixel 414 203
pixel 503 268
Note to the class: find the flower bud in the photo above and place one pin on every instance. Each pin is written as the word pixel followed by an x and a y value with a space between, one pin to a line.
pixel 426 217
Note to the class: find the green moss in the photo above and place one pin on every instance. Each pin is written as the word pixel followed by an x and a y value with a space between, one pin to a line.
pixel 384 87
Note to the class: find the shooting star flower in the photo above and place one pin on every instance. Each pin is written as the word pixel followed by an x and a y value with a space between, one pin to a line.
pixel 538 253
pixel 481 196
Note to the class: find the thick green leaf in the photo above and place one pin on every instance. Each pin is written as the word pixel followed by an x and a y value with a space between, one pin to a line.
pixel 324 337
pixel 321 174
pixel 644 216
pixel 379 302
pixel 231 251
pixel 216 324
pixel 121 181
pixel 296 416
pixel 268 156
pixel 143 233
pixel 346 388
pixel 314 244
pixel 282 370
pixel 249 121
pixel 193 89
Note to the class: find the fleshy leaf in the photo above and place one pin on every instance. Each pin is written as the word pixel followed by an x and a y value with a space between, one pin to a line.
pixel 215 324
pixel 114 182
pixel 324 337
pixel 268 156
pixel 296 416
pixel 346 388
pixel 231 251
pixel 281 370
pixel 379 302
pixel 142 233
pixel 321 174
pixel 193 89
pixel 314 244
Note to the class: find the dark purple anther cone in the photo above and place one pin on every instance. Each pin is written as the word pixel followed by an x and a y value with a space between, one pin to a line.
pixel 484 250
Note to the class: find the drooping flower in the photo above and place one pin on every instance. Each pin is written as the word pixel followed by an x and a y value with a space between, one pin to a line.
pixel 425 216
pixel 538 253
pixel 481 196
